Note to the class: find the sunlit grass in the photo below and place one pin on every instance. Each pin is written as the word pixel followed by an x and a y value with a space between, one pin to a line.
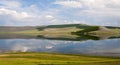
pixel 49 32
pixel 47 58
pixel 111 32
pixel 63 32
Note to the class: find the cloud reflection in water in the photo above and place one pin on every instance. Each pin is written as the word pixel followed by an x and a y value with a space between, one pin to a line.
pixel 110 46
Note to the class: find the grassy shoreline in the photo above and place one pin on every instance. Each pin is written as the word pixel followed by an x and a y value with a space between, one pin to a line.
pixel 32 58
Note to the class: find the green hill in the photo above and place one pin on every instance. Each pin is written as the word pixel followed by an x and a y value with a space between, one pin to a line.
pixel 64 31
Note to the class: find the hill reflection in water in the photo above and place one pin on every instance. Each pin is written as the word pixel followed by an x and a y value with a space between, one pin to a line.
pixel 79 38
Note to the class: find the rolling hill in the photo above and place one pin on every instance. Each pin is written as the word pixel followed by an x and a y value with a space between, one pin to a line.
pixel 64 31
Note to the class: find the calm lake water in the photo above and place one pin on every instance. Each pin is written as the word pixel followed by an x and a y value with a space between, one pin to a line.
pixel 109 47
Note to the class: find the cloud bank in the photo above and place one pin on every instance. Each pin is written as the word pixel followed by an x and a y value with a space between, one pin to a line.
pixel 44 12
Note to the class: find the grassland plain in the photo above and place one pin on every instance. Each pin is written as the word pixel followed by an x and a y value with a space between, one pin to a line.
pixel 32 58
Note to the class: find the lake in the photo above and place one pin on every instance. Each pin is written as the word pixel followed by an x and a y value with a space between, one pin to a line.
pixel 92 46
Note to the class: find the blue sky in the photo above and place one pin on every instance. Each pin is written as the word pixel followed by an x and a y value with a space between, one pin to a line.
pixel 49 12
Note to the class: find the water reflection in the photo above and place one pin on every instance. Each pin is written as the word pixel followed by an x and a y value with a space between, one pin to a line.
pixel 77 38
pixel 80 38
pixel 84 44
pixel 101 47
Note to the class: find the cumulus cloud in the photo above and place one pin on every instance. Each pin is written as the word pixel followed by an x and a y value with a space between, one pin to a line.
pixel 105 12
pixel 19 12
pixel 68 3
pixel 10 4
pixel 31 15
pixel 11 17
pixel 93 6
pixel 15 14
pixel 89 3
pixel 49 17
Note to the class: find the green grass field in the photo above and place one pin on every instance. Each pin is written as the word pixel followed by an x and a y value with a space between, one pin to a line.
pixel 55 59
pixel 107 33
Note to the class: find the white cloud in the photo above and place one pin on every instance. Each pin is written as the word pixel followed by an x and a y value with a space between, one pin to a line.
pixel 10 3
pixel 68 3
pixel 11 17
pixel 105 12
pixel 12 12
pixel 89 3
pixel 49 17
pixel 15 14
pixel 100 12
pixel 94 6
